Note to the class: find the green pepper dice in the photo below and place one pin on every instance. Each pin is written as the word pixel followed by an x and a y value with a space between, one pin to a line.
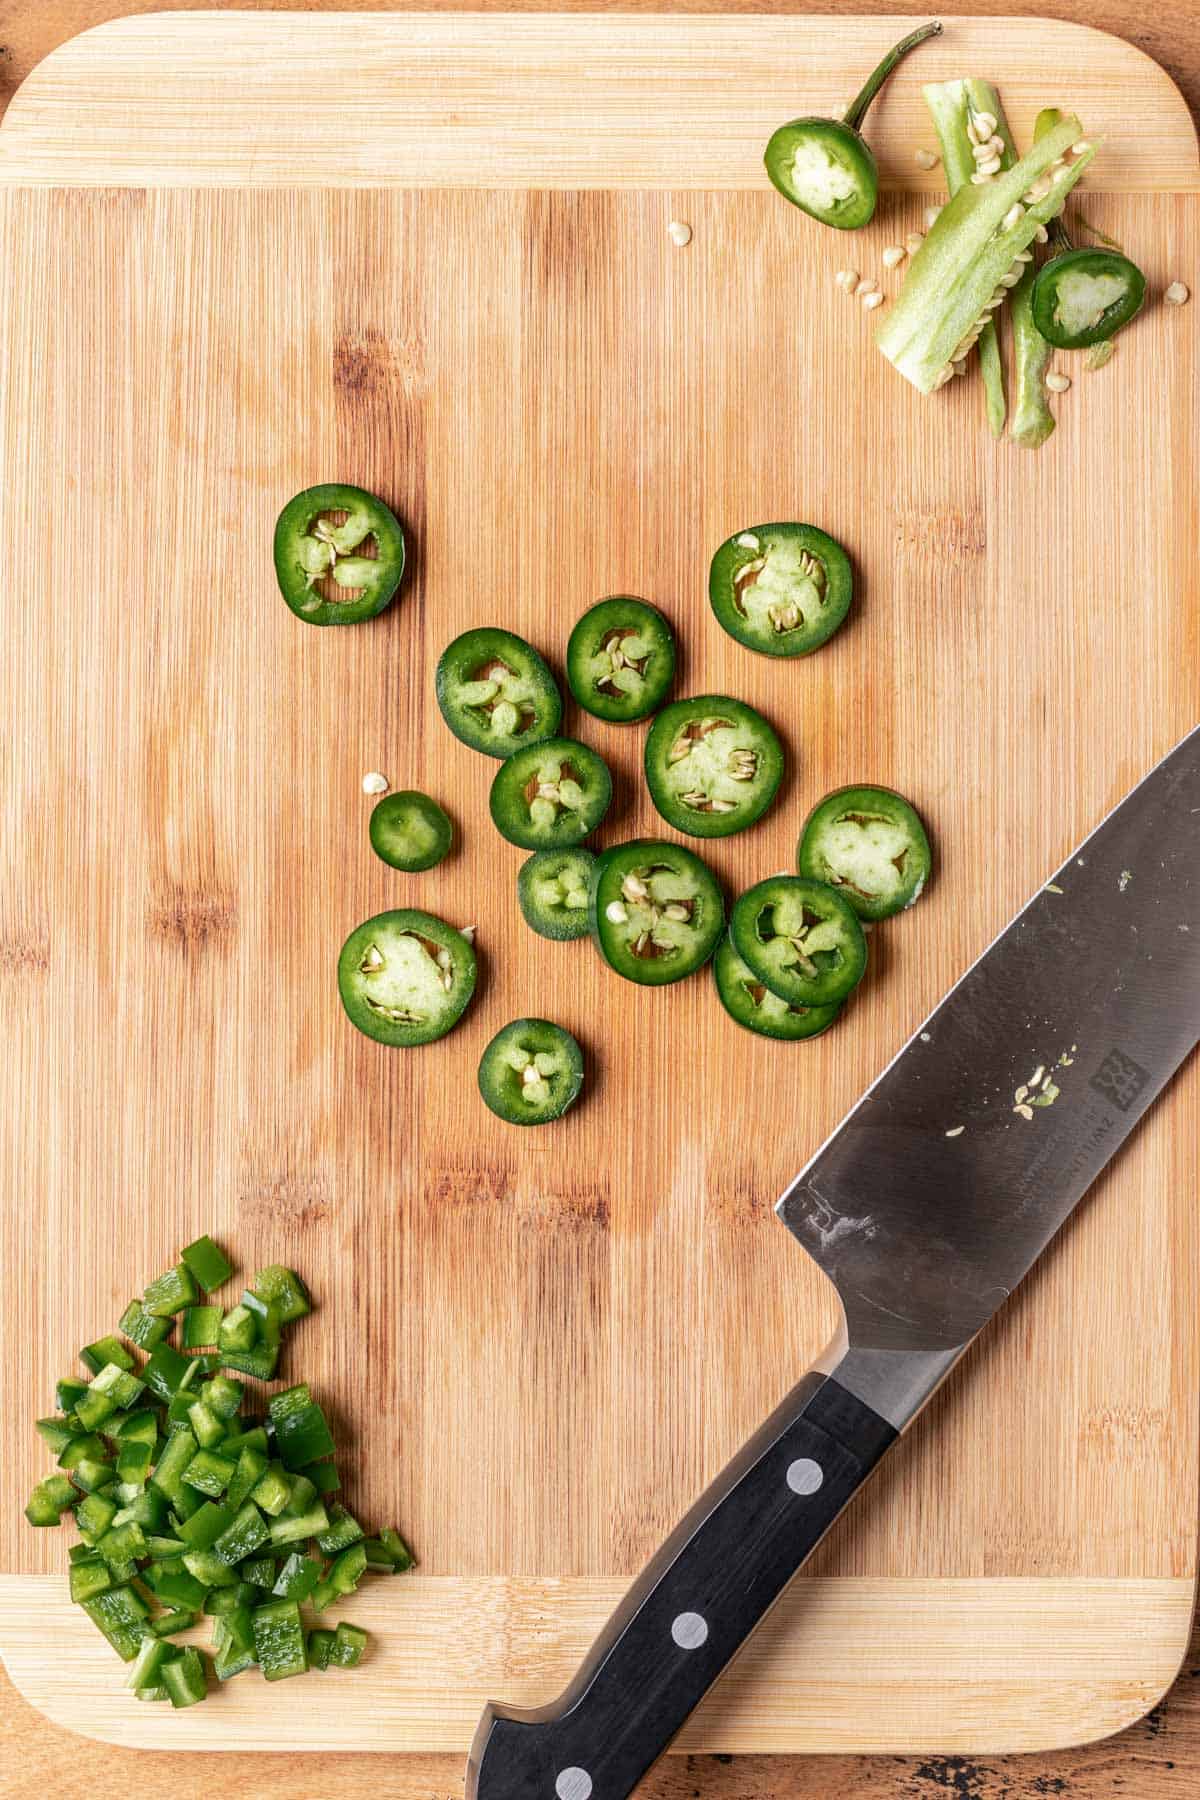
pixel 825 166
pixel 783 589
pixel 495 692
pixel 656 911
pixel 749 1001
pixel 531 1072
pixel 554 793
pixel 410 831
pixel 621 659
pixel 310 546
pixel 870 844
pixel 801 939
pixel 713 765
pixel 552 889
pixel 1084 296
pixel 405 977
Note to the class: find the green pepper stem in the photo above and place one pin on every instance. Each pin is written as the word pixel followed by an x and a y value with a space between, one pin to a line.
pixel 856 112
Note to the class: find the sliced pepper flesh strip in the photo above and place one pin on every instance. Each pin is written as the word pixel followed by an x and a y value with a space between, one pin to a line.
pixel 955 276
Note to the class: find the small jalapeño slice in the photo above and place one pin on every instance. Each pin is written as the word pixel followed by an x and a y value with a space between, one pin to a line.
pixel 405 977
pixel 531 1072
pixel 495 692
pixel 310 546
pixel 801 939
pixel 410 831
pixel 656 911
pixel 749 1001
pixel 713 765
pixel 552 888
pixel 782 589
pixel 551 794
pixel 621 659
pixel 869 844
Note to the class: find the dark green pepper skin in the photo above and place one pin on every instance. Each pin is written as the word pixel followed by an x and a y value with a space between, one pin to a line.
pixel 410 831
pixel 647 945
pixel 519 1088
pixel 753 1005
pixel 762 576
pixel 873 834
pixel 303 556
pixel 845 155
pixel 1053 278
pixel 726 780
pixel 581 792
pixel 801 938
pixel 525 706
pixel 543 884
pixel 391 984
pixel 632 688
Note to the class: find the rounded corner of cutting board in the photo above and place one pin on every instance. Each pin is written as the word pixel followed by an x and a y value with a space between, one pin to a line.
pixel 88 116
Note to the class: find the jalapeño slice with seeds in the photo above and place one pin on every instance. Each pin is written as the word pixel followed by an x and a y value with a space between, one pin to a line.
pixel 324 535
pixel 552 888
pixel 410 831
pixel 495 692
pixel 783 589
pixel 621 659
pixel 552 793
pixel 531 1072
pixel 749 1001
pixel 655 910
pixel 869 844
pixel 405 977
pixel 801 939
pixel 713 765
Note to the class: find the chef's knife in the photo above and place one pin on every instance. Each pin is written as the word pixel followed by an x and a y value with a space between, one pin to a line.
pixel 925 1208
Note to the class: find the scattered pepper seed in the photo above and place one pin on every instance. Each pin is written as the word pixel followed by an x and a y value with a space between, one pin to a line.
pixel 1052 887
pixel 913 241
pixel 679 232
pixel 848 279
pixel 1177 294
pixel 957 1131
pixel 931 216
pixel 1099 354
pixel 375 783
pixel 895 253
pixel 870 300
pixel 1123 881
pixel 1057 383
pixel 866 286
pixel 926 159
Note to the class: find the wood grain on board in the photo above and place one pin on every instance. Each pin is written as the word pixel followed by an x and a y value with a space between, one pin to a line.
pixel 541 1350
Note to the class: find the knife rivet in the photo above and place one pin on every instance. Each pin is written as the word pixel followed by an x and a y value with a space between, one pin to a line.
pixel 804 1476
pixel 573 1784
pixel 689 1631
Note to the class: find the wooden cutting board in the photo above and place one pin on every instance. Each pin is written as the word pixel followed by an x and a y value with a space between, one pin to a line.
pixel 243 253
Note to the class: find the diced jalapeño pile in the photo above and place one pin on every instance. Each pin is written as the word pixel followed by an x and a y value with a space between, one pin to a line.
pixel 187 1506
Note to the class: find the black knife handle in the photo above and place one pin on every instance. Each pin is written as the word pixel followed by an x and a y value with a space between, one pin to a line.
pixel 691 1608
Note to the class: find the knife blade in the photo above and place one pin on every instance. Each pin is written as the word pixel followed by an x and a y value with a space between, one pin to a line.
pixel 925 1208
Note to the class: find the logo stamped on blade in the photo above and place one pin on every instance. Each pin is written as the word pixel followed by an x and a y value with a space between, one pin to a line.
pixel 1119 1079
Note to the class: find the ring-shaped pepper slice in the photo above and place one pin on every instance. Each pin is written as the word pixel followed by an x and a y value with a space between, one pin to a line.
pixel 1085 296
pixel 713 765
pixel 782 589
pixel 531 1072
pixel 550 795
pixel 552 889
pixel 621 659
pixel 495 692
pixel 405 977
pixel 656 911
pixel 801 938
pixel 410 831
pixel 869 844
pixel 310 546
pixel 753 1005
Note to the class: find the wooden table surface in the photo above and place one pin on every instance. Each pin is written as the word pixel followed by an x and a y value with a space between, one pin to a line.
pixel 1160 1757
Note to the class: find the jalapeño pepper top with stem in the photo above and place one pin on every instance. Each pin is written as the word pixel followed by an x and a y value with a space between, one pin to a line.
pixel 825 166
pixel 310 546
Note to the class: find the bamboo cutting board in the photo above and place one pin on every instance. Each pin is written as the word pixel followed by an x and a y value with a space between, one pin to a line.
pixel 243 253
